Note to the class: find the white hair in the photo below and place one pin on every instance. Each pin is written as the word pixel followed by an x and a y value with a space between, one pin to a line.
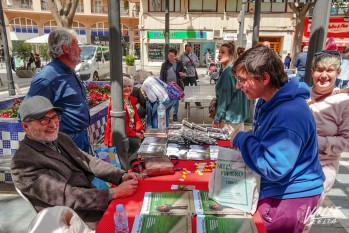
pixel 127 80
pixel 58 38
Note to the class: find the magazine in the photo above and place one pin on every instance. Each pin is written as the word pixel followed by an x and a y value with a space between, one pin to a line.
pixel 168 203
pixel 162 223
pixel 231 224
pixel 205 205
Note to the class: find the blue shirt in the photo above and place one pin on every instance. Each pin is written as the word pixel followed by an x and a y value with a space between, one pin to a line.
pixel 283 146
pixel 301 61
pixel 59 83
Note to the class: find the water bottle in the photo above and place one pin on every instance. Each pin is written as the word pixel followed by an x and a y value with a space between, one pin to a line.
pixel 161 116
pixel 120 219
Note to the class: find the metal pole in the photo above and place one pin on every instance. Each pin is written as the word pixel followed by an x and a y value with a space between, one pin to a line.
pixel 318 34
pixel 242 24
pixel 117 112
pixel 167 27
pixel 10 83
pixel 256 22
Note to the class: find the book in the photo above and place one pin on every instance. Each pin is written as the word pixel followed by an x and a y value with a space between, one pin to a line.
pixel 205 205
pixel 162 223
pixel 231 224
pixel 155 132
pixel 168 203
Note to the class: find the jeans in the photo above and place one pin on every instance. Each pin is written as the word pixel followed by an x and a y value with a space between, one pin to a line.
pixel 81 140
pixel 152 113
pixel 301 75
pixel 341 83
pixel 175 108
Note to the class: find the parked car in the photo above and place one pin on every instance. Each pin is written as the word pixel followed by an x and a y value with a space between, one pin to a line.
pixel 94 63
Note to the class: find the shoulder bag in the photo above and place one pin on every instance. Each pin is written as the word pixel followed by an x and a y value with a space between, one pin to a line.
pixel 172 89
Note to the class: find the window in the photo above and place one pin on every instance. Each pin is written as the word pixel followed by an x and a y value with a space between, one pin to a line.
pixel 23 25
pixel 203 5
pixel 159 5
pixel 102 29
pixel 79 28
pixel 273 7
pixel 49 26
pixel 233 5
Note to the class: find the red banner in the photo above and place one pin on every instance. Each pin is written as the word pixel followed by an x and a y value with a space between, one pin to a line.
pixel 337 27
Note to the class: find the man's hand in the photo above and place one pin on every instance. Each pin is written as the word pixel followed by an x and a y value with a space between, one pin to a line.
pixel 131 176
pixel 182 74
pixel 238 129
pixel 139 135
pixel 125 189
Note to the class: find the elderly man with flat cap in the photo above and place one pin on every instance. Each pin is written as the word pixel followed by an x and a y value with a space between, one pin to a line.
pixel 50 170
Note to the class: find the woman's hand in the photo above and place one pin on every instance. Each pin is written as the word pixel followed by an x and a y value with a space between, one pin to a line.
pixel 215 124
pixel 182 74
pixel 139 135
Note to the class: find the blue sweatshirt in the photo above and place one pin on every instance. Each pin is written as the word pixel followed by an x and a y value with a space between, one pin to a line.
pixel 283 146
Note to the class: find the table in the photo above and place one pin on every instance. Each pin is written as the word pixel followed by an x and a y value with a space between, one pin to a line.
pixel 203 94
pixel 133 204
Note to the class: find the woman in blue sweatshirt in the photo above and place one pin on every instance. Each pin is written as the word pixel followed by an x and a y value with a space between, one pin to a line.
pixel 282 147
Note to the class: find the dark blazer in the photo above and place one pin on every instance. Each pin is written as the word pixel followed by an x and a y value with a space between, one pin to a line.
pixel 48 179
pixel 163 72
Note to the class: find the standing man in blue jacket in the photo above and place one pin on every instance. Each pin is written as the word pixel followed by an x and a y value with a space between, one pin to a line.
pixel 58 82
pixel 301 62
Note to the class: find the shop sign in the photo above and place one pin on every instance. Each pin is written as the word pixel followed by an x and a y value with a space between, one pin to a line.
pixel 104 40
pixel 337 27
pixel 228 36
pixel 177 35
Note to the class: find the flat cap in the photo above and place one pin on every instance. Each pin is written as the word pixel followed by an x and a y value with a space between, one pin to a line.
pixel 36 107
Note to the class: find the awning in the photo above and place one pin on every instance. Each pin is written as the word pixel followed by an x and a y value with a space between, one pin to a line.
pixel 38 40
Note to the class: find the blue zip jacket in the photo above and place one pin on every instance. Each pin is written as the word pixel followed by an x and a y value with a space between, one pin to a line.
pixel 283 146
pixel 59 83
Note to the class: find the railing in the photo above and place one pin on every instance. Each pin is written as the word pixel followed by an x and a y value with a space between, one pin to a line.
pixel 104 10
pixel 18 4
pixel 44 7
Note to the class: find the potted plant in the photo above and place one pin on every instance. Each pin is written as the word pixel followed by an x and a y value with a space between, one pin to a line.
pixel 22 51
pixel 130 61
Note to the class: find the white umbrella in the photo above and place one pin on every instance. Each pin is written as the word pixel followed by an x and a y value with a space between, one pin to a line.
pixel 38 40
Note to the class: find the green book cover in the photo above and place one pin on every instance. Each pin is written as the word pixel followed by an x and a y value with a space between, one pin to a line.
pixel 168 203
pixel 219 224
pixel 205 205
pixel 162 223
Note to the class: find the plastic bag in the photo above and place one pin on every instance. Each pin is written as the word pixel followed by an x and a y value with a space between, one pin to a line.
pixel 108 155
pixel 234 184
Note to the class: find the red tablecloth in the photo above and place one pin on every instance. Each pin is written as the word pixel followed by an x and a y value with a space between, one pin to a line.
pixel 134 203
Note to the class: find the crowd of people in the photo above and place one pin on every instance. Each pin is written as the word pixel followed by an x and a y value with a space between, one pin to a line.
pixel 297 157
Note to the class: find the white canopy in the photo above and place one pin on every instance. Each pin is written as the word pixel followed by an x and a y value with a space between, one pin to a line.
pixel 38 40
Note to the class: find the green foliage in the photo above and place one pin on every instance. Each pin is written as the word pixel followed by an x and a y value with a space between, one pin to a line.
pixel 43 51
pixel 130 60
pixel 21 50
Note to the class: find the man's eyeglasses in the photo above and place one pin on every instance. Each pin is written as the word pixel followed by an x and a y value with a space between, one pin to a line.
pixel 47 120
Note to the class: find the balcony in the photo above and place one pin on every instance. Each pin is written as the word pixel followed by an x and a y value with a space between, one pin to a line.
pixel 18 4
pixel 104 10
pixel 44 7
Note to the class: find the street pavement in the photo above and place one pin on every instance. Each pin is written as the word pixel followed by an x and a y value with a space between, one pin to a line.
pixel 16 214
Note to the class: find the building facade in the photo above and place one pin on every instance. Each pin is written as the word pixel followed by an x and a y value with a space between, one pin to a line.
pixel 26 19
pixel 208 24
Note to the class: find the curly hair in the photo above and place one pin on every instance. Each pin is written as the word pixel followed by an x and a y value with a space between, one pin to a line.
pixel 257 61
pixel 57 38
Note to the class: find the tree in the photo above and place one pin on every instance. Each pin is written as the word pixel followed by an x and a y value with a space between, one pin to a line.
pixel 63 13
pixel 301 10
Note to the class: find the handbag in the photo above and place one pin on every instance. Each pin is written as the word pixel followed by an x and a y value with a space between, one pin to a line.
pixel 172 89
pixel 157 165
pixel 212 108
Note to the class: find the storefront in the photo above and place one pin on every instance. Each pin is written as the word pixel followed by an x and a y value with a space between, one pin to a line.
pixel 338 29
pixel 155 46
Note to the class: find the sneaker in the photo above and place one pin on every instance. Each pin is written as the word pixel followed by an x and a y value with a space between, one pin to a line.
pixel 175 118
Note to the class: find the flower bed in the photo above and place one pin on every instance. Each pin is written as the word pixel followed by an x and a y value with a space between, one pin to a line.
pixel 11 131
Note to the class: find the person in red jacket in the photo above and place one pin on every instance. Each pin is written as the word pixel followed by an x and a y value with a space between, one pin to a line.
pixel 133 124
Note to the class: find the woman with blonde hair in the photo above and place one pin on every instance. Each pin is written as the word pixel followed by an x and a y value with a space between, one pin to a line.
pixel 232 104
